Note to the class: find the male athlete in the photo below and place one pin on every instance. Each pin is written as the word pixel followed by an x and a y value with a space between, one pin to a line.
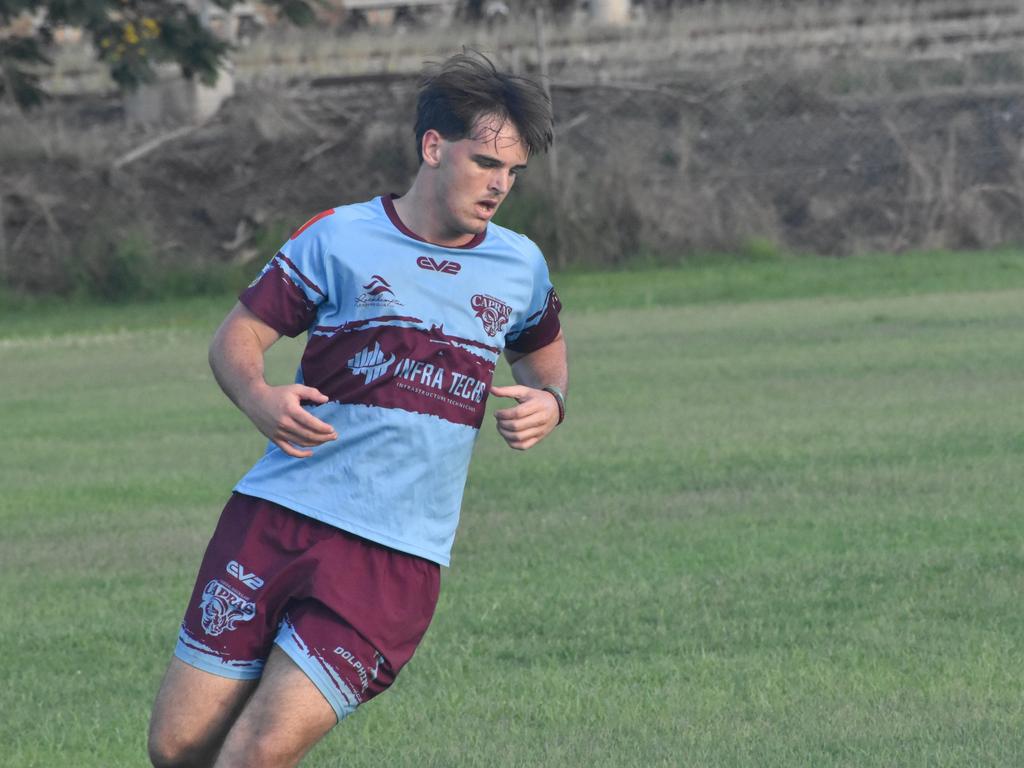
pixel 323 572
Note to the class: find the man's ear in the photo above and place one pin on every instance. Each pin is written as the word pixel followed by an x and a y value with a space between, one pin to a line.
pixel 432 145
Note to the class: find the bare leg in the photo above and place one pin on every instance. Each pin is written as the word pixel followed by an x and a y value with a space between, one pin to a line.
pixel 285 717
pixel 192 715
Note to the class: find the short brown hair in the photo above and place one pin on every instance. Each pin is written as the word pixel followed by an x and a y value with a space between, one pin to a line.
pixel 466 87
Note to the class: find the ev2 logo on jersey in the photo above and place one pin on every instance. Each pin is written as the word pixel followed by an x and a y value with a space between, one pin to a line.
pixel 444 266
pixel 237 570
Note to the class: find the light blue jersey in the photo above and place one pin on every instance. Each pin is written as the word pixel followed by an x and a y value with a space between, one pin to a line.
pixel 403 339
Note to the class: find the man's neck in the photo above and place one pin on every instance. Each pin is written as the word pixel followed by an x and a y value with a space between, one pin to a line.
pixel 419 211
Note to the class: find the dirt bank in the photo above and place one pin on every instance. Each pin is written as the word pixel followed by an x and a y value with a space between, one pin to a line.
pixel 675 165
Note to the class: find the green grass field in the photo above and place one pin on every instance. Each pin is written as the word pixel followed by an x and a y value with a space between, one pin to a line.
pixel 781 527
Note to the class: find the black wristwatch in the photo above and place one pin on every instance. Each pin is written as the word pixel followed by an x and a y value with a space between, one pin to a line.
pixel 560 399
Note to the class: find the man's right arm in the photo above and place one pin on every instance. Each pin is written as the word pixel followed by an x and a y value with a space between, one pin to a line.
pixel 236 358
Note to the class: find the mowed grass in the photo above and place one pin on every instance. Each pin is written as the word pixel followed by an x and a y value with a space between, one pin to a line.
pixel 781 527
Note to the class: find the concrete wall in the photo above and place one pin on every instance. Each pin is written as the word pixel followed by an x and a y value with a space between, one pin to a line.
pixel 173 100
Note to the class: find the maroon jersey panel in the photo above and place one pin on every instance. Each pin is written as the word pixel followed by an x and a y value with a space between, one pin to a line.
pixel 392 366
pixel 545 329
pixel 279 302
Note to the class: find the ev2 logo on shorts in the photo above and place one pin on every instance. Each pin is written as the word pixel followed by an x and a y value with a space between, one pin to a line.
pixel 237 570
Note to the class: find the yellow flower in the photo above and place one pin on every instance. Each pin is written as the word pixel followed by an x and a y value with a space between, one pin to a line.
pixel 130 35
pixel 150 28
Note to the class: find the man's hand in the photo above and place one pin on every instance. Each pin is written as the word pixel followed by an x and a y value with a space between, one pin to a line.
pixel 531 420
pixel 277 412
pixel 236 358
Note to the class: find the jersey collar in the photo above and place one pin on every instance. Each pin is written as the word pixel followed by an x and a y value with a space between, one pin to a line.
pixel 388 201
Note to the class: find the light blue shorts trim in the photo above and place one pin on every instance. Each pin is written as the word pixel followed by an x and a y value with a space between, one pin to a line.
pixel 197 655
pixel 339 695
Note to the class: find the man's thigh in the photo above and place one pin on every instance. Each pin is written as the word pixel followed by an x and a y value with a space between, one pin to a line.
pixel 193 712
pixel 284 718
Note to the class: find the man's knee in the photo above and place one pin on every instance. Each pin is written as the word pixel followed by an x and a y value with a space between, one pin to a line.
pixel 171 749
pixel 192 714
pixel 261 749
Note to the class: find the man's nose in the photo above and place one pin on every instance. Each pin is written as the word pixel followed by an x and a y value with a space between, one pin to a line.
pixel 500 182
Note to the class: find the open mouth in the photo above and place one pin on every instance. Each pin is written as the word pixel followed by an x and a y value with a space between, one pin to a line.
pixel 488 207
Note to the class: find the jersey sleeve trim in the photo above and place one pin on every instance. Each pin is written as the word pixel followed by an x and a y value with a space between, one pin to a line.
pixel 309 283
pixel 544 329
pixel 276 300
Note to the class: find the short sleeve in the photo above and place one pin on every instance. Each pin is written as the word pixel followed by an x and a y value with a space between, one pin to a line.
pixel 292 286
pixel 540 325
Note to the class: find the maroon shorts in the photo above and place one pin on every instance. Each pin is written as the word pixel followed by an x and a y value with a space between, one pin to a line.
pixel 348 611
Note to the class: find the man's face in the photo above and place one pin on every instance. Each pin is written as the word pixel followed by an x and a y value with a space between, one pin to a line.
pixel 476 173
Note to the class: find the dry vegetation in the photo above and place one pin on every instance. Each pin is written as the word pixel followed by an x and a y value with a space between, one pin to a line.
pixel 828 129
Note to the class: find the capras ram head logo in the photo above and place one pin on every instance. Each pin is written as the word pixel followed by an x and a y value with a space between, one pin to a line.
pixel 493 313
pixel 223 608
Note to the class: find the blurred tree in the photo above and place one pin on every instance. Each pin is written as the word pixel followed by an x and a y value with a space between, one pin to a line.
pixel 130 37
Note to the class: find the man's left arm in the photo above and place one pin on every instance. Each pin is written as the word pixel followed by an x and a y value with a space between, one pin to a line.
pixel 538 411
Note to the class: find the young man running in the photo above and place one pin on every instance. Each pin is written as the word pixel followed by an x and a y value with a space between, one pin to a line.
pixel 323 572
